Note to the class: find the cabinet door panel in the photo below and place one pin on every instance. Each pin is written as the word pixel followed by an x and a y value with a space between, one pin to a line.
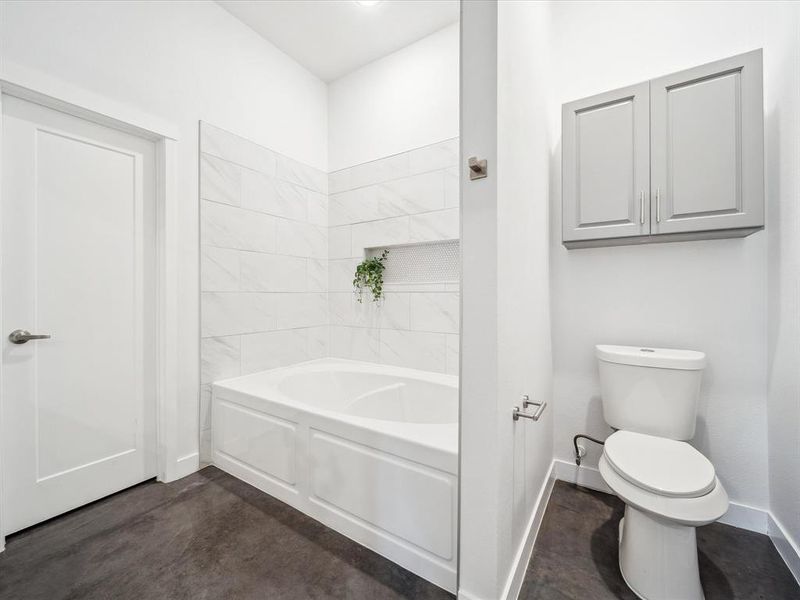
pixel 606 165
pixel 707 147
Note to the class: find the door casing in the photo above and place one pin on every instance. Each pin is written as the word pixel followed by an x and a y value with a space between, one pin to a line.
pixel 34 87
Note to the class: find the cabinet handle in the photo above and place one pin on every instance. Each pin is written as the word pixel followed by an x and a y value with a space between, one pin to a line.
pixel 658 206
pixel 641 207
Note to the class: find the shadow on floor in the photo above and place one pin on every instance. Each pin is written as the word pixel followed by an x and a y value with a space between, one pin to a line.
pixel 208 536
pixel 576 555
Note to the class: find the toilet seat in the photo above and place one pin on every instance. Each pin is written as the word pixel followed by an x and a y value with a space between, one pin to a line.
pixel 665 486
pixel 660 465
pixel 692 512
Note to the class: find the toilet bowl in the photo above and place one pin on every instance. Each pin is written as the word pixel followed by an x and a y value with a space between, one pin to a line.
pixel 650 397
pixel 669 489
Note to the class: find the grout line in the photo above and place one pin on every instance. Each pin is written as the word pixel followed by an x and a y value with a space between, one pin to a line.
pixel 383 181
pixel 260 331
pixel 399 216
pixel 262 252
pixel 375 160
pixel 261 212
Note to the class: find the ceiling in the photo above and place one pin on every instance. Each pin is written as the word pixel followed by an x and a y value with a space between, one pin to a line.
pixel 330 38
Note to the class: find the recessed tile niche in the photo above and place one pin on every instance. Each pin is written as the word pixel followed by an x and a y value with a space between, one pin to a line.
pixel 435 262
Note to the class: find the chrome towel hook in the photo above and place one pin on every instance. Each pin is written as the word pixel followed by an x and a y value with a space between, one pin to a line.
pixel 477 168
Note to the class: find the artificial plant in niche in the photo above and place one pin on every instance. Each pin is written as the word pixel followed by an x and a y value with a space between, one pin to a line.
pixel 369 277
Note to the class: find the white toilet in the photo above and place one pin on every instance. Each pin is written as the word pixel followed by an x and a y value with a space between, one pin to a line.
pixel 650 396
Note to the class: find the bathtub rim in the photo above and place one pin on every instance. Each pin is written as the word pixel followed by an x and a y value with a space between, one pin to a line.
pixel 436 438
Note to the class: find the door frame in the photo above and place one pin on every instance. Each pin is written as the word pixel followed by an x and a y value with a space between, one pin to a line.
pixel 46 91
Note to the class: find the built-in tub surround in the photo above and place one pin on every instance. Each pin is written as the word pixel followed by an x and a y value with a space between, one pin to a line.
pixel 369 450
pixel 407 198
pixel 263 255
pixel 270 296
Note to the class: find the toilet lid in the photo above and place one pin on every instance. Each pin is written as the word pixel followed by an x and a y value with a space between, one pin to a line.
pixel 660 465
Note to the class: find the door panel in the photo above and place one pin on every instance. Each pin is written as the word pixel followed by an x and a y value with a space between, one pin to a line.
pixel 606 165
pixel 78 262
pixel 707 147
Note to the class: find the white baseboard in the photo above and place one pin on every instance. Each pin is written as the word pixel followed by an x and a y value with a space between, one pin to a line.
pixel 746 517
pixel 523 556
pixel 786 546
pixel 738 515
pixel 186 465
pixel 584 476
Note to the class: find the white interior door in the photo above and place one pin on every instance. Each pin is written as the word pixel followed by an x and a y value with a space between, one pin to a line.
pixel 78 264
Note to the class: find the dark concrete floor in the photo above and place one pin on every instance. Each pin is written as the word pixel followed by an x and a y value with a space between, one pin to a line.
pixel 575 556
pixel 208 536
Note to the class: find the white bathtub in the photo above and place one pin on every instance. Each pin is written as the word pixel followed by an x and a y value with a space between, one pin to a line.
pixel 369 450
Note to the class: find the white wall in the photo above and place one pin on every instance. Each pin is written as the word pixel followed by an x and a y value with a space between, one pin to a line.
pixel 783 215
pixel 506 321
pixel 182 62
pixel 483 478
pixel 393 157
pixel 525 362
pixel 400 102
pixel 709 295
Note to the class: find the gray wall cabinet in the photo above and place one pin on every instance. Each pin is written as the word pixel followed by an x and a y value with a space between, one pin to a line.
pixel 606 165
pixel 680 157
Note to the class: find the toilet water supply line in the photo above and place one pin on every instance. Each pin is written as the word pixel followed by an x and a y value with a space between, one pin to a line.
pixel 579 451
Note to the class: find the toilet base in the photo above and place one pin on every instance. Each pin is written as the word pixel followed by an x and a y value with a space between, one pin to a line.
pixel 658 559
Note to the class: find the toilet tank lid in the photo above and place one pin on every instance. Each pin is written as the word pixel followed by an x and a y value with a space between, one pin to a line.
pixel 645 356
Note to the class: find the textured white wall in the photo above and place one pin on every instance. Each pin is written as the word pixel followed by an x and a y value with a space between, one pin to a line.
pixel 483 478
pixel 523 274
pixel 182 62
pixel 506 326
pixel 400 102
pixel 709 295
pixel 783 215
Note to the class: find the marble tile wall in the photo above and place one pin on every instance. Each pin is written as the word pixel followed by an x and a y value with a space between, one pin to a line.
pixel 279 242
pixel 403 199
pixel 263 262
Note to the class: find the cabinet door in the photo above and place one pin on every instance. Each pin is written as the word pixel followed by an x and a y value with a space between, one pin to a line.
pixel 707 128
pixel 606 164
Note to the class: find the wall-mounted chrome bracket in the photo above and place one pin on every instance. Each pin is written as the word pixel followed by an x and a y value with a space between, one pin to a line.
pixel 477 168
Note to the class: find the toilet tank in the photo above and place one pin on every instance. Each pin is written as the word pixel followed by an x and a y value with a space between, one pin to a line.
pixel 650 390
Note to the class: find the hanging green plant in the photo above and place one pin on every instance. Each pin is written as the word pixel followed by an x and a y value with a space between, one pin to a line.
pixel 369 276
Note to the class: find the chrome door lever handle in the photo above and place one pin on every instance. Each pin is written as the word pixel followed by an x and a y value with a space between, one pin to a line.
pixel 21 336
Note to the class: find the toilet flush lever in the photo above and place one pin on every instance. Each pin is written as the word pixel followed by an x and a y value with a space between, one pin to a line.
pixel 477 168
pixel 526 402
